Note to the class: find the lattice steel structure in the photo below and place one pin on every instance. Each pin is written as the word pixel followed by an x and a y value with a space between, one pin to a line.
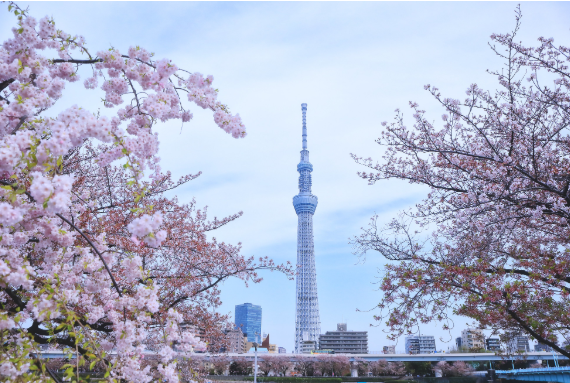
pixel 307 323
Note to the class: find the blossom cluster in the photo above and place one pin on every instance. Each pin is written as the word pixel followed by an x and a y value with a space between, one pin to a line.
pixel 52 269
pixel 490 239
pixel 147 228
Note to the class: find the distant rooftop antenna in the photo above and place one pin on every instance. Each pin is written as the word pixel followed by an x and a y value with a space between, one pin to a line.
pixel 304 109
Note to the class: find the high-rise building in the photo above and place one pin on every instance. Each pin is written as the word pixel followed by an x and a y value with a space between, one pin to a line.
pixel 307 321
pixel 473 339
pixel 248 320
pixel 343 341
pixel 458 343
pixel 422 344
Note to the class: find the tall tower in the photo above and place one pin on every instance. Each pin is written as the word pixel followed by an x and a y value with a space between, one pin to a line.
pixel 307 323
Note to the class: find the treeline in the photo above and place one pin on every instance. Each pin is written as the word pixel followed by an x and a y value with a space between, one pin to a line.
pixel 323 365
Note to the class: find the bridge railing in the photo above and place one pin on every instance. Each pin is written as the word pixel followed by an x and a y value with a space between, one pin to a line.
pixel 531 370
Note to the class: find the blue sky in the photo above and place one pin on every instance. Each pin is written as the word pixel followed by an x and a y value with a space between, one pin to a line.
pixel 353 64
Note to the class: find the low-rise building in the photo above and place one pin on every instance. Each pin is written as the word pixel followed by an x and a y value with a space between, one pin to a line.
pixel 458 343
pixel 493 344
pixel 343 341
pixel 420 344
pixel 515 341
pixel 472 339
pixel 200 333
pixel 308 346
pixel 542 347
pixel 281 350
pixel 389 349
pixel 236 341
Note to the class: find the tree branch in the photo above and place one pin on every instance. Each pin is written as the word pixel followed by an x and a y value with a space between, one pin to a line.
pixel 95 249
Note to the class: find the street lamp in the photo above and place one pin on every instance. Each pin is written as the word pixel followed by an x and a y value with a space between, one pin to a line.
pixel 255 344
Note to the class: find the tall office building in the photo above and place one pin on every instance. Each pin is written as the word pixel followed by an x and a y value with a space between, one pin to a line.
pixel 307 322
pixel 248 319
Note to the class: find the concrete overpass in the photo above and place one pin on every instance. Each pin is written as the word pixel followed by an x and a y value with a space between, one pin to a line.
pixel 466 357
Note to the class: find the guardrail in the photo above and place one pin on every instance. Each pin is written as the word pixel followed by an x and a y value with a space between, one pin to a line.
pixel 472 357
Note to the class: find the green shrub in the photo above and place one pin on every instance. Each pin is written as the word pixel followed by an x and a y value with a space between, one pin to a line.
pixel 454 379
pixel 301 379
pixel 304 379
pixel 386 379
pixel 451 379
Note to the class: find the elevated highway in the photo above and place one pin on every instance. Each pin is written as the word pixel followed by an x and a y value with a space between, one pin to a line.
pixel 466 357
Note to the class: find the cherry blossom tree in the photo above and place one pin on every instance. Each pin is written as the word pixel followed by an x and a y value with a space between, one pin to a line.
pixel 305 365
pixel 378 367
pixel 458 368
pixel 396 368
pixel 95 260
pixel 323 365
pixel 189 267
pixel 193 369
pixel 282 364
pixel 220 363
pixel 333 365
pixel 277 364
pixel 384 368
pixel 241 366
pixel 340 365
pixel 491 239
pixel 266 365
pixel 361 366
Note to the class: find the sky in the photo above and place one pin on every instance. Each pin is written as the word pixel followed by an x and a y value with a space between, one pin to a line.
pixel 353 64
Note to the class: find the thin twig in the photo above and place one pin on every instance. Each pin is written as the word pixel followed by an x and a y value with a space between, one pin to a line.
pixel 94 248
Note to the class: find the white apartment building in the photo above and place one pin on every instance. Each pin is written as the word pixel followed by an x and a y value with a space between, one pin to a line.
pixel 422 344
pixel 516 342
pixel 236 341
pixel 472 338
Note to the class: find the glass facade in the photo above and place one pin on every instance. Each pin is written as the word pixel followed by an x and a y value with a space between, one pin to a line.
pixel 248 319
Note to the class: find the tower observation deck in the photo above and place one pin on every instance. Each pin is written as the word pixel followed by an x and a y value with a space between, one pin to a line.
pixel 307 323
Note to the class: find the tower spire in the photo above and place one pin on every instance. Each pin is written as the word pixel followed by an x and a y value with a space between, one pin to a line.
pixel 307 323
pixel 304 109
